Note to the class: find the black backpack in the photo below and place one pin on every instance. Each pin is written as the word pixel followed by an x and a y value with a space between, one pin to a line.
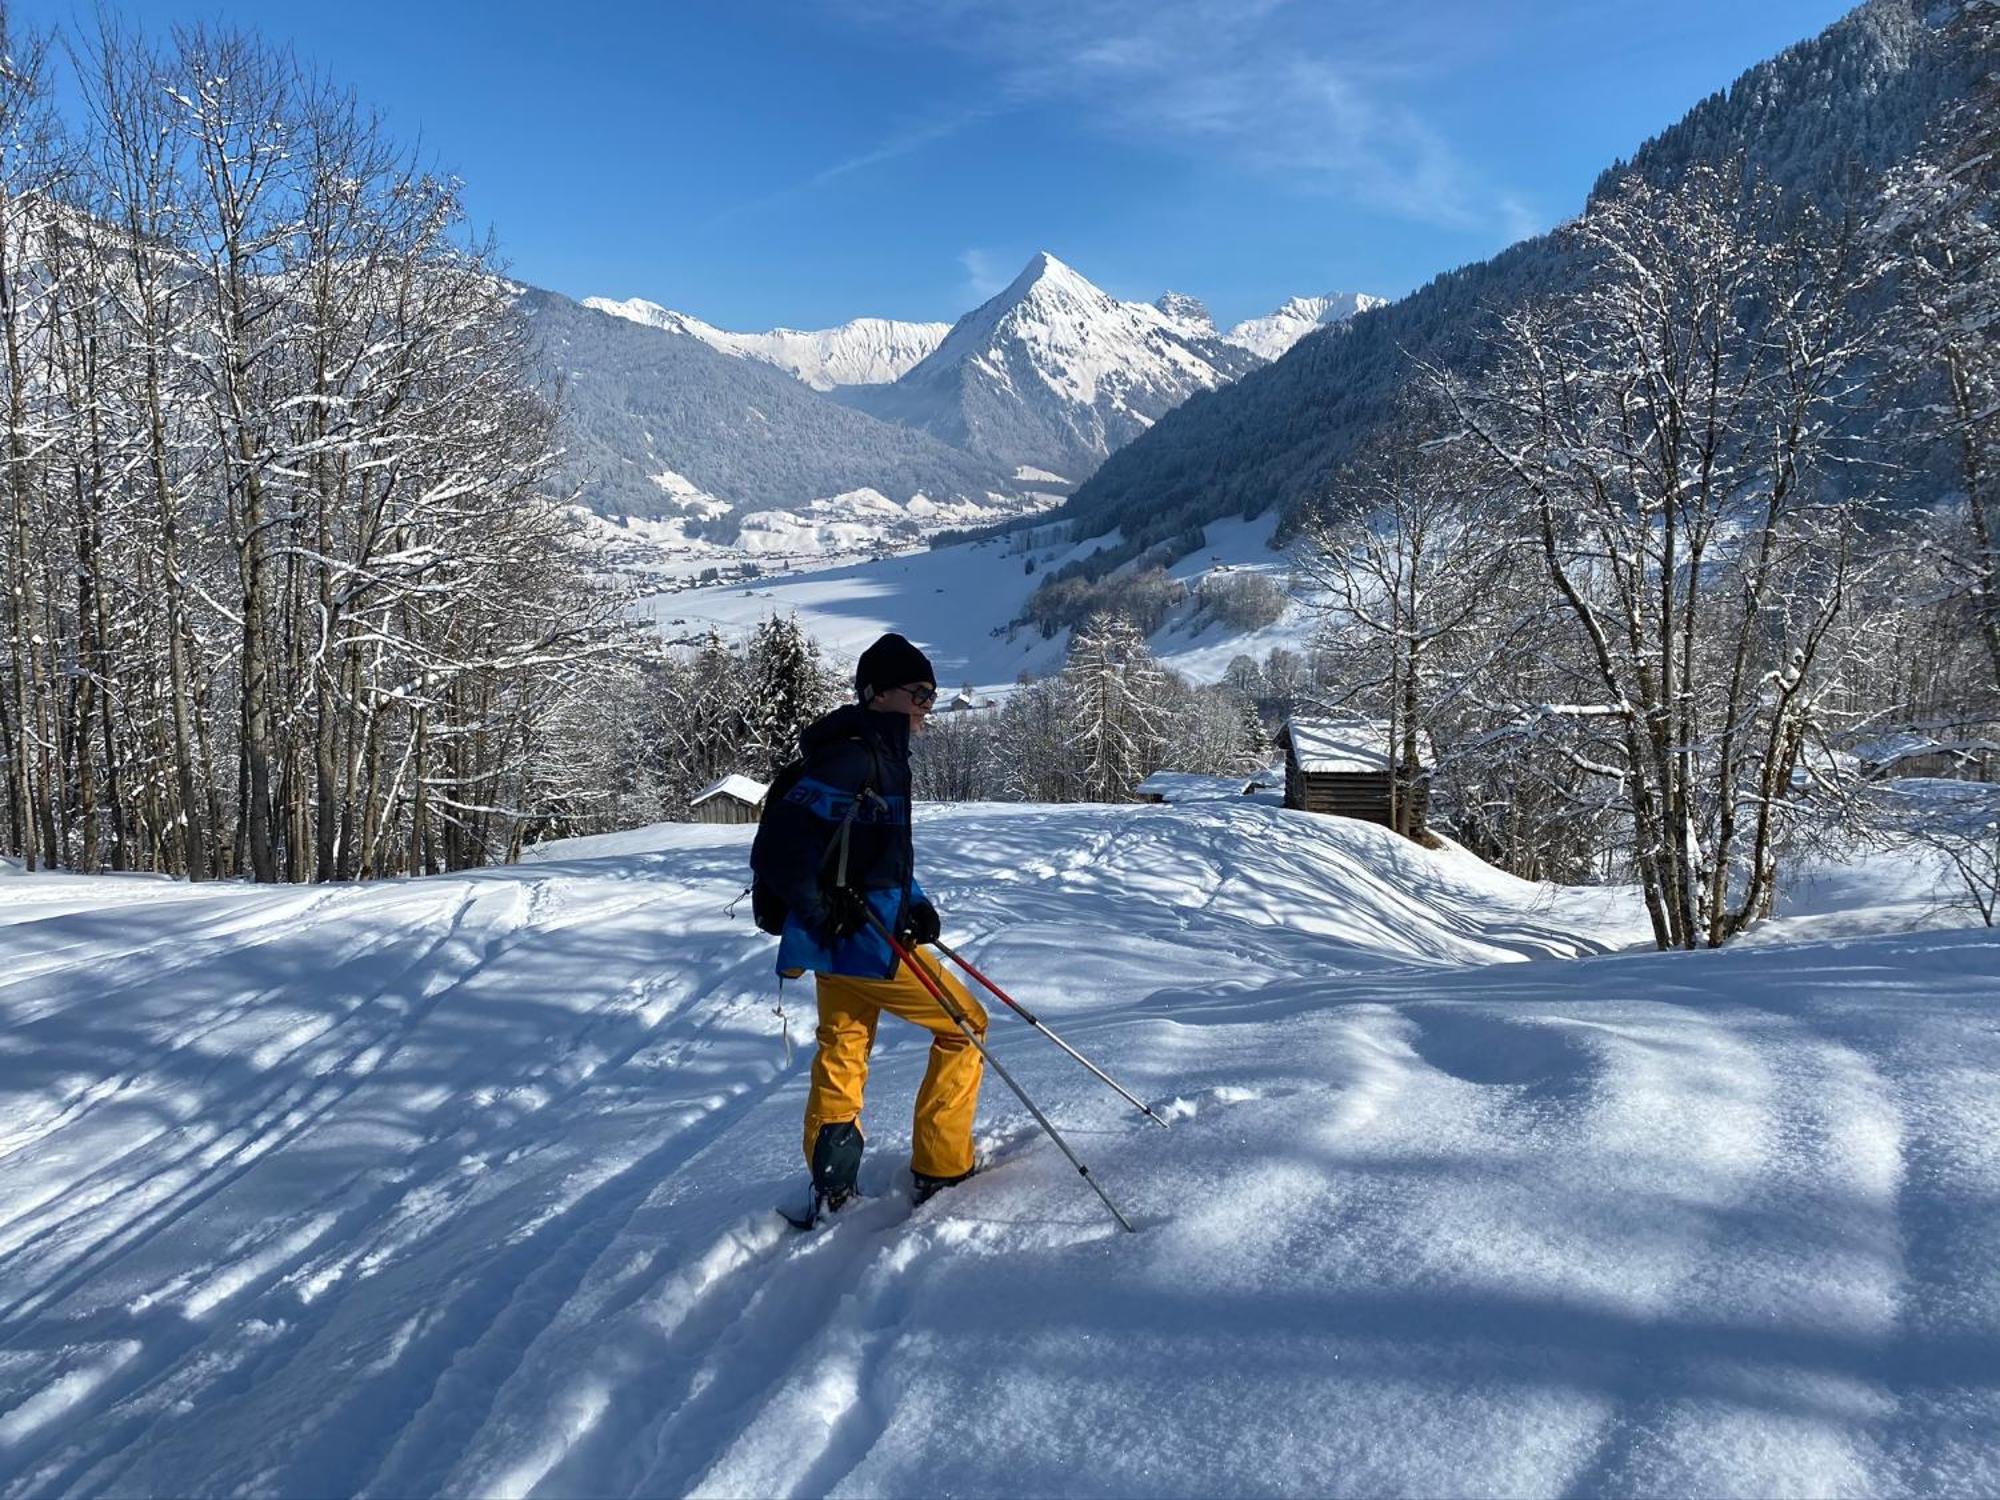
pixel 767 907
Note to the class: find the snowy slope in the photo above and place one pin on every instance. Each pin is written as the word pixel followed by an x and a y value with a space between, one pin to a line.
pixel 462 1186
pixel 1055 373
pixel 862 351
pixel 1270 336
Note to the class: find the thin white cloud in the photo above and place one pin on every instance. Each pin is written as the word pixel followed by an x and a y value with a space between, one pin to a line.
pixel 1304 92
pixel 985 274
pixel 904 142
pixel 1518 220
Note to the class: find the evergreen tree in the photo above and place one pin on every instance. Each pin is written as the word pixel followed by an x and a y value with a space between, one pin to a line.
pixel 1114 708
pixel 786 687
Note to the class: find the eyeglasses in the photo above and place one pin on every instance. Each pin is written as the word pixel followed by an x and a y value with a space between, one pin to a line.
pixel 921 693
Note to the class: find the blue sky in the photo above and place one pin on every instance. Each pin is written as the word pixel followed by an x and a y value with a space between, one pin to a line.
pixel 785 163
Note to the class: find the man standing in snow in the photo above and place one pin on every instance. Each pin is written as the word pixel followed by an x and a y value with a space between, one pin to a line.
pixel 836 848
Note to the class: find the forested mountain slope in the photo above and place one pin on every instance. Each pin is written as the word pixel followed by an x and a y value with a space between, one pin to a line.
pixel 641 401
pixel 1823 119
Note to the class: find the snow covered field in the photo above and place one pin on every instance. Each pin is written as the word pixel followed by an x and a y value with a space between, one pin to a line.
pixel 463 1185
pixel 956 602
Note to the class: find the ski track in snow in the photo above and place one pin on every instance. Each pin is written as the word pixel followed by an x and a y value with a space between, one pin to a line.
pixel 463 1185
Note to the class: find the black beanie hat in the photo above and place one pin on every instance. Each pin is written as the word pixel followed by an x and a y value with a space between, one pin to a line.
pixel 890 663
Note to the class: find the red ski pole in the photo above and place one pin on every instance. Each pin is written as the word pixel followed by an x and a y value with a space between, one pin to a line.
pixel 938 993
pixel 1029 1016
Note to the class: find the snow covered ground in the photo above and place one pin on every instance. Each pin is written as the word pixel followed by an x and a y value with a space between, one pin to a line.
pixel 463 1185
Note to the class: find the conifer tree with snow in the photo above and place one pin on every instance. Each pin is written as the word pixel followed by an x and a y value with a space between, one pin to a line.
pixel 786 686
pixel 1113 710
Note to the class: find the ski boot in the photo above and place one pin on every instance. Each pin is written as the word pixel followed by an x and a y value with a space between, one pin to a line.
pixel 836 1163
pixel 923 1188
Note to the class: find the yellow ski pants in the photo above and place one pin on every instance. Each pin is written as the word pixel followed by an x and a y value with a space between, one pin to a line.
pixel 941 1141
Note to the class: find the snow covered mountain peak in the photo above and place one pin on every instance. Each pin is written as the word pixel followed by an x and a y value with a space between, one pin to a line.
pixel 1188 312
pixel 1272 335
pixel 639 310
pixel 1047 290
pixel 1329 308
pixel 1045 275
pixel 1055 372
pixel 861 351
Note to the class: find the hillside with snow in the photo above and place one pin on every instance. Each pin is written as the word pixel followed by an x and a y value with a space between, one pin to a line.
pixel 960 602
pixel 657 424
pixel 1823 121
pixel 463 1185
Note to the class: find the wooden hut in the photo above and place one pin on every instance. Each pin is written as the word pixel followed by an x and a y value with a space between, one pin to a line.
pixel 1968 757
pixel 1343 767
pixel 733 799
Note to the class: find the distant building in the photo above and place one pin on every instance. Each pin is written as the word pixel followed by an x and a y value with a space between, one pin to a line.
pixel 1163 786
pixel 1193 786
pixel 733 799
pixel 1962 757
pixel 1343 767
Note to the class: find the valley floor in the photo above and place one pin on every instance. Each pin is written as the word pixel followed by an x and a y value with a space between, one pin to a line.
pixel 463 1185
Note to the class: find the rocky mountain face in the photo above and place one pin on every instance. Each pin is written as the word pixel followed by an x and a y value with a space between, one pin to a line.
pixel 1054 373
pixel 1190 313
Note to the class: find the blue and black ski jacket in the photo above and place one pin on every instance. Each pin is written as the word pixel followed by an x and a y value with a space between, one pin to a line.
pixel 844 751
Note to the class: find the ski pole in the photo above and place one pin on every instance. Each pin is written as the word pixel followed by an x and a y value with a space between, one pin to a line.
pixel 937 992
pixel 1029 1016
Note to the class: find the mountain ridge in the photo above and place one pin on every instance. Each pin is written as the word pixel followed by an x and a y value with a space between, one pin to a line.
pixel 1053 372
pixel 659 424
pixel 861 351
pixel 983 419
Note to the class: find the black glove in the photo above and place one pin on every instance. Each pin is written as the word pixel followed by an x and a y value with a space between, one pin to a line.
pixel 921 924
pixel 843 914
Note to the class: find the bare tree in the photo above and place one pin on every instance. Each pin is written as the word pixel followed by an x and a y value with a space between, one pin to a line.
pixel 1406 553
pixel 291 588
pixel 1669 431
pixel 30 170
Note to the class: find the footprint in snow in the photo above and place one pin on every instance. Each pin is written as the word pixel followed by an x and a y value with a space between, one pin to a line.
pixel 1546 1060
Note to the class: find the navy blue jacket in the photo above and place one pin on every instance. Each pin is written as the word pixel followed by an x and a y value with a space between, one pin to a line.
pixel 844 751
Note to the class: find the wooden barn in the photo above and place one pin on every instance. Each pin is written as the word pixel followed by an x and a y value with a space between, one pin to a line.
pixel 1342 767
pixel 734 799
